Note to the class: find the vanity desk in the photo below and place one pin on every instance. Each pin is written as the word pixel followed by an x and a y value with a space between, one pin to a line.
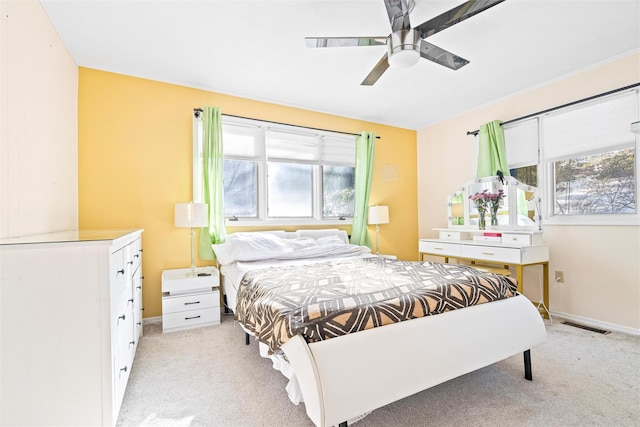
pixel 511 250
pixel 515 241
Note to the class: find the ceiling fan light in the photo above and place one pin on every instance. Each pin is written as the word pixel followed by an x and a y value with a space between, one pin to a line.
pixel 403 48
pixel 404 58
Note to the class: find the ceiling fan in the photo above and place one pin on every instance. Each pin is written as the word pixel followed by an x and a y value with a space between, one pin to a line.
pixel 405 45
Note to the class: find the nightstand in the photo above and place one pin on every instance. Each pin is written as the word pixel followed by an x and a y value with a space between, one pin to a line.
pixel 190 301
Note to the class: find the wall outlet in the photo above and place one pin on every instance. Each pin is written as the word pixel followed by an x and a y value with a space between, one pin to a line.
pixel 559 276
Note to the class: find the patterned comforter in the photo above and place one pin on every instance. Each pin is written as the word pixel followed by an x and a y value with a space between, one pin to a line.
pixel 328 299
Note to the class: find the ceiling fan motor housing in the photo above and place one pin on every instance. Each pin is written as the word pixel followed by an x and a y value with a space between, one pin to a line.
pixel 403 48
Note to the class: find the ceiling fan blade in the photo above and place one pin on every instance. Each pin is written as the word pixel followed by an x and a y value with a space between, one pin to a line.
pixel 345 41
pixel 453 16
pixel 377 71
pixel 398 11
pixel 440 56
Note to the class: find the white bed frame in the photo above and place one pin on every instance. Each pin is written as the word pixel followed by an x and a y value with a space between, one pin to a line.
pixel 344 377
pixel 347 376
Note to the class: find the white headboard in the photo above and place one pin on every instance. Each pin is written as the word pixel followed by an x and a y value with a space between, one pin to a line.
pixel 314 234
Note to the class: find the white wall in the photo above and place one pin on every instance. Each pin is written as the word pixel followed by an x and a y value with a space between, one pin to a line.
pixel 601 264
pixel 38 124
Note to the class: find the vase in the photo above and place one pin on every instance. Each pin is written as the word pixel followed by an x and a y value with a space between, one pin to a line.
pixel 494 217
pixel 481 221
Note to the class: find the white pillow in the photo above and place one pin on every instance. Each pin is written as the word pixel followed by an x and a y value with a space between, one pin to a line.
pixel 249 247
pixel 317 234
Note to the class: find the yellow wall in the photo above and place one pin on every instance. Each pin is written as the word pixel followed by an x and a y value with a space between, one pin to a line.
pixel 601 263
pixel 135 148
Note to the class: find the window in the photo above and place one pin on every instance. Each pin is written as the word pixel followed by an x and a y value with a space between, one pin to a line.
pixel 283 174
pixel 583 158
pixel 598 184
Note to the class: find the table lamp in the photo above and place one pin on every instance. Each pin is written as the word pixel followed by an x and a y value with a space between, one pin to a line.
pixel 378 215
pixel 191 215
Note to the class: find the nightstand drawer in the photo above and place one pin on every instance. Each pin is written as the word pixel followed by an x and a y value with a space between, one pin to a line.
pixel 171 304
pixel 182 281
pixel 191 318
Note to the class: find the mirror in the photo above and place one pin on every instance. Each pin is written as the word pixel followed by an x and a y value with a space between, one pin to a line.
pixel 455 209
pixel 517 205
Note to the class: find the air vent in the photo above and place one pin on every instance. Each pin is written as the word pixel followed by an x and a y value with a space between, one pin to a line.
pixel 588 328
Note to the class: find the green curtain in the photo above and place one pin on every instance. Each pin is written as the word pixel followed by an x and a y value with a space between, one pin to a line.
pixel 213 173
pixel 492 156
pixel 365 151
pixel 492 153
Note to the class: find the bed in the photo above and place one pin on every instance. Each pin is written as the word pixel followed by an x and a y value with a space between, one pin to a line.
pixel 344 369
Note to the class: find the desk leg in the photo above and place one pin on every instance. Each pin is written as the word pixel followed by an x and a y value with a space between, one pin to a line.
pixel 519 277
pixel 545 289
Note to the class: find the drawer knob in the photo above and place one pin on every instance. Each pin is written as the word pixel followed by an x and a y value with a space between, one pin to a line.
pixel 120 272
pixel 130 300
pixel 130 263
pixel 123 369
pixel 190 303
pixel 121 318
pixel 132 343
pixel 191 318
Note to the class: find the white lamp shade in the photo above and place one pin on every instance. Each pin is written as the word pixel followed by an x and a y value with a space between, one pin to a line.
pixel 378 214
pixel 191 215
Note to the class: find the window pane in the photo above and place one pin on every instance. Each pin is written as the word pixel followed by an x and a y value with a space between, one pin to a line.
pixel 526 174
pixel 289 190
pixel 338 194
pixel 598 184
pixel 240 188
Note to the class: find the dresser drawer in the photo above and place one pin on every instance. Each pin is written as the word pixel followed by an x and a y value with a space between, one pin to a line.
pixel 439 248
pixel 191 318
pixel 492 253
pixel 117 272
pixel 171 304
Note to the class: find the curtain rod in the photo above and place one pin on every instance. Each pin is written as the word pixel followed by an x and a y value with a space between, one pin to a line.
pixel 475 132
pixel 197 112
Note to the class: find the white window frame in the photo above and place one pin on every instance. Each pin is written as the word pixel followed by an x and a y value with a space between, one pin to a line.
pixel 546 170
pixel 263 219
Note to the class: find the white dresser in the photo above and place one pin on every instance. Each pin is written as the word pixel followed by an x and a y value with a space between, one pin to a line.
pixel 71 318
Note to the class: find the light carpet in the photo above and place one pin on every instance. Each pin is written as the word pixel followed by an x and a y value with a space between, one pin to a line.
pixel 208 377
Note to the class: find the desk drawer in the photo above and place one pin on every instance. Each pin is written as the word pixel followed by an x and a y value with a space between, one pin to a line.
pixel 492 253
pixel 439 248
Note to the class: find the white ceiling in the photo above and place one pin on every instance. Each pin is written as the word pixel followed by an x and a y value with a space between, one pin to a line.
pixel 256 49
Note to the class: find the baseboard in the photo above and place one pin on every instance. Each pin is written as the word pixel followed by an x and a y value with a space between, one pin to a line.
pixel 596 323
pixel 152 321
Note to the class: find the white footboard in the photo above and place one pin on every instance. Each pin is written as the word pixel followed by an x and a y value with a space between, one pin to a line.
pixel 342 378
